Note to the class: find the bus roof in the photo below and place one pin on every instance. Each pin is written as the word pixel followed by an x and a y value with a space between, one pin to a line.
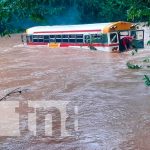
pixel 97 27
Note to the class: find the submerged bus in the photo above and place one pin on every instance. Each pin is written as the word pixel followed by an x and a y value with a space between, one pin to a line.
pixel 101 36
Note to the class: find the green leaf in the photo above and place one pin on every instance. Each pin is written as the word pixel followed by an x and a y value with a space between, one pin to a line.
pixel 133 66
pixel 146 80
pixel 148 43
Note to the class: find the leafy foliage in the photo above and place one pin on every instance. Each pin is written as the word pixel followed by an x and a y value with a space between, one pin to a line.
pixel 102 10
pixel 139 10
pixel 146 80
pixel 133 66
pixel 12 12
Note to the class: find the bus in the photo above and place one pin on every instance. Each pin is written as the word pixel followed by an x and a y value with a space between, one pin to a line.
pixel 99 36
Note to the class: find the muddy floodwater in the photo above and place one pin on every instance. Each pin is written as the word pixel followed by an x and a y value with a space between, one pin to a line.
pixel 108 104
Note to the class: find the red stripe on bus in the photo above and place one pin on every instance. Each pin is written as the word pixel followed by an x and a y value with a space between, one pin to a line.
pixel 36 43
pixel 69 31
pixel 87 44
pixel 75 44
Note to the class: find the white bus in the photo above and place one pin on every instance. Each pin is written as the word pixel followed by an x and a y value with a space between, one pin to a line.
pixel 100 36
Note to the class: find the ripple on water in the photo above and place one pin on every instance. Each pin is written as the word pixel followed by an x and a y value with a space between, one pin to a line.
pixel 112 101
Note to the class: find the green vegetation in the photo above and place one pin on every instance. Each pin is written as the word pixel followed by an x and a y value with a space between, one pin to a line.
pixel 89 11
pixel 139 10
pixel 133 66
pixel 13 12
pixel 146 80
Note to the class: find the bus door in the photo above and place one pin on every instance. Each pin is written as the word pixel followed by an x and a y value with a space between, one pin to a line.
pixel 138 38
pixel 114 41
pixel 113 37
pixel 121 35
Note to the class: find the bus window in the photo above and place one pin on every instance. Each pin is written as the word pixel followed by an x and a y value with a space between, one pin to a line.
pixel 113 38
pixel 58 38
pixel 138 39
pixel 139 35
pixel 46 38
pixel 103 38
pixel 133 34
pixel 72 38
pixel 95 38
pixel 41 38
pixel 52 38
pixel 35 38
pixel 99 38
pixel 79 38
pixel 79 41
pixel 65 38
pixel 124 33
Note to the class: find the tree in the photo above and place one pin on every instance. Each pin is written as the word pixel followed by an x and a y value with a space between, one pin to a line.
pixel 139 10
pixel 102 10
pixel 12 12
pixel 90 11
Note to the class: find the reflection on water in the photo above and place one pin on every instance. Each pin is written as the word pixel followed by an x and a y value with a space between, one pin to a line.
pixel 113 103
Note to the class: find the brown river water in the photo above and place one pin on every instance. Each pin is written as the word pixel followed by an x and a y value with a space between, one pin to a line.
pixel 113 102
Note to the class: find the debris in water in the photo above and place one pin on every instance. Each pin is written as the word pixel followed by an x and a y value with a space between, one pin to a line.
pixel 17 90
pixel 146 60
pixel 146 80
pixel 132 66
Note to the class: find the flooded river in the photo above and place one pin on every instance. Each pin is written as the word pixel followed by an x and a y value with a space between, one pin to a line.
pixel 112 101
